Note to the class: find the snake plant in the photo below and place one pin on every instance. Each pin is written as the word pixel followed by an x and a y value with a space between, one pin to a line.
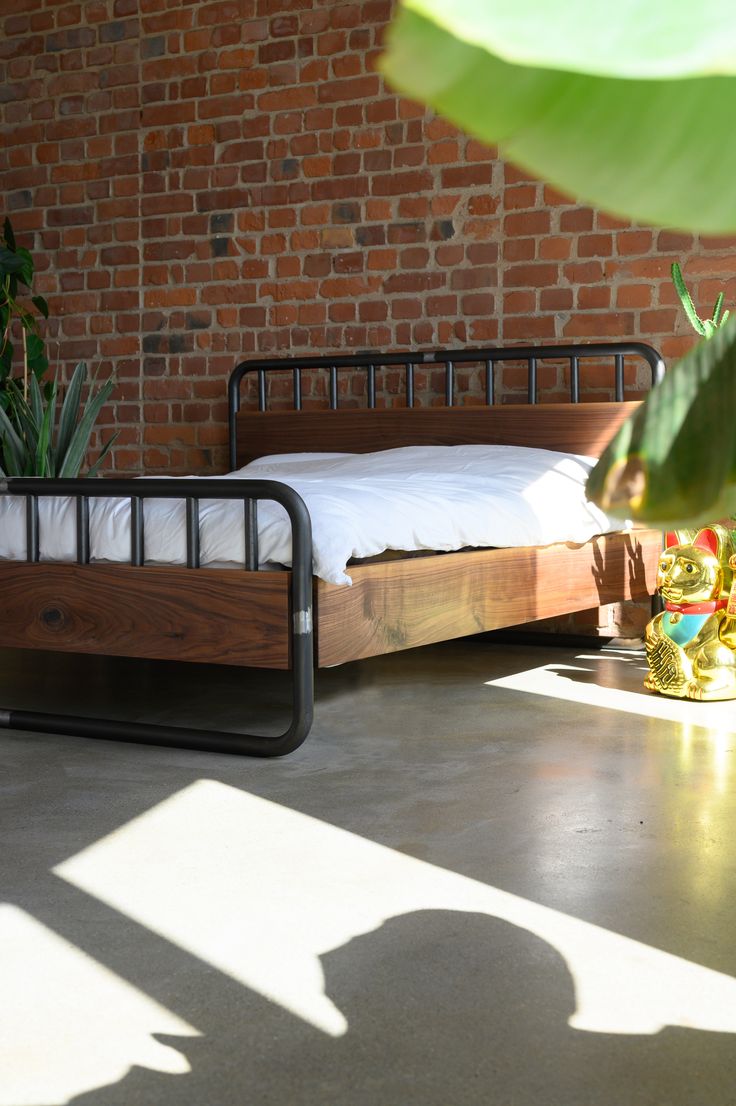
pixel 35 442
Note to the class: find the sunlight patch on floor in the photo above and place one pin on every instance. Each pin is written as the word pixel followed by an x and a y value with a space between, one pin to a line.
pixel 261 892
pixel 67 1023
pixel 576 683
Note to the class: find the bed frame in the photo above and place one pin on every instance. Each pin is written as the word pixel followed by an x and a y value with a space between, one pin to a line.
pixel 287 619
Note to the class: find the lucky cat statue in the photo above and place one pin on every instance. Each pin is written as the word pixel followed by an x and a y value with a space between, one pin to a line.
pixel 689 644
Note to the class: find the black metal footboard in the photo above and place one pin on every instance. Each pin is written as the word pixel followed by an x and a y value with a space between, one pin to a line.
pixel 191 491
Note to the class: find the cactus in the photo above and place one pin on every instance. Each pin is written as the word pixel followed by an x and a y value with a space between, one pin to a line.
pixel 705 327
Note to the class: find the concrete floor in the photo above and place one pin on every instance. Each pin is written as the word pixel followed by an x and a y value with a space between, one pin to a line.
pixel 493 874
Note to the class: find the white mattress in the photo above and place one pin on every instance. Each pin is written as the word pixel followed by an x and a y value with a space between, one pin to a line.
pixel 413 498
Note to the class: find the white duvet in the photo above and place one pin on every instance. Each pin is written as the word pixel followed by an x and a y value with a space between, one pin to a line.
pixel 412 498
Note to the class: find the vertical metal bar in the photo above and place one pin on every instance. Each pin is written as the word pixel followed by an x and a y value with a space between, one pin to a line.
pixel 371 386
pixel 261 389
pixel 32 541
pixel 250 514
pixel 409 385
pixel 333 387
pixel 82 530
pixel 297 374
pixel 489 383
pixel 192 532
pixel 136 531
pixel 233 405
pixel 575 380
pixel 449 383
pixel 619 387
pixel 532 380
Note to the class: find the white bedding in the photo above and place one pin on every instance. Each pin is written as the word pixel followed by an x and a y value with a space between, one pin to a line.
pixel 412 498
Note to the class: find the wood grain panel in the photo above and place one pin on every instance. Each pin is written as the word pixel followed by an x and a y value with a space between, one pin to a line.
pixel 401 604
pixel 206 615
pixel 573 428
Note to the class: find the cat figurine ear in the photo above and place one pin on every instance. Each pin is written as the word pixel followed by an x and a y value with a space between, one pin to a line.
pixel 707 539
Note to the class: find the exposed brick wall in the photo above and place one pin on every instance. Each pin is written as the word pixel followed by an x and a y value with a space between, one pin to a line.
pixel 201 181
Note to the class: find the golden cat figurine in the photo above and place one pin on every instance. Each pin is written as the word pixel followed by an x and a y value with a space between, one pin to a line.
pixel 688 644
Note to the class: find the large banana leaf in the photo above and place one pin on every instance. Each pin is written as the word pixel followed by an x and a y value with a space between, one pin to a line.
pixel 674 463
pixel 628 106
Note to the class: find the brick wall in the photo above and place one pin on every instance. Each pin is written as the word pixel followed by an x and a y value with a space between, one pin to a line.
pixel 201 181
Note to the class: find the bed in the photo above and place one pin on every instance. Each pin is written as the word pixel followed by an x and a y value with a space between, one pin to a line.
pixel 264 615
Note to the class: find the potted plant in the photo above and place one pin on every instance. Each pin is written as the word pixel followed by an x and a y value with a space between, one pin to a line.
pixel 39 436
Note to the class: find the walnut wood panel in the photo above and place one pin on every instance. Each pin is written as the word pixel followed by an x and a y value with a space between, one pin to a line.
pixel 401 604
pixel 574 428
pixel 223 617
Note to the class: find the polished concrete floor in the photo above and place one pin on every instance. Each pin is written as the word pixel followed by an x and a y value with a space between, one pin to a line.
pixel 493 874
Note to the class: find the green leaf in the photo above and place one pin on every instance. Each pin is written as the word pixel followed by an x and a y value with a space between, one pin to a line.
pixel 25 273
pixel 38 366
pixel 44 465
pixel 659 38
pixel 22 414
pixel 671 464
pixel 13 450
pixel 6 360
pixel 34 346
pixel 10 262
pixel 686 299
pixel 70 409
pixel 95 468
pixel 41 305
pixel 8 236
pixel 79 445
pixel 601 116
pixel 36 403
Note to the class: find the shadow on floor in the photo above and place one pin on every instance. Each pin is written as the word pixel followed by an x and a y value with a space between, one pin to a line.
pixel 443 1008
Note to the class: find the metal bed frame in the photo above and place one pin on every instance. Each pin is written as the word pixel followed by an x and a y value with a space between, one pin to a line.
pixel 301 630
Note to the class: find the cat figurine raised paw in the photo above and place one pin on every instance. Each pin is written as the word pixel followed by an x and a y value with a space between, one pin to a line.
pixel 688 645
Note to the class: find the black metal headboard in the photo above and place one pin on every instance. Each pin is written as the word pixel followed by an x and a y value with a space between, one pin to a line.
pixel 487 356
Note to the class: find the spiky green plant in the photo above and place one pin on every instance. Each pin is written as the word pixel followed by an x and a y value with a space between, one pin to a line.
pixel 706 327
pixel 34 442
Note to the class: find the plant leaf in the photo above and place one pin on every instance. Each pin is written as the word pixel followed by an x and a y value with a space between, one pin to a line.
pixel 10 262
pixel 41 305
pixel 44 460
pixel 95 468
pixel 577 101
pixel 686 299
pixel 670 465
pixel 36 403
pixel 34 346
pixel 26 422
pixel 25 273
pixel 13 450
pixel 659 38
pixel 8 235
pixel 72 461
pixel 70 410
